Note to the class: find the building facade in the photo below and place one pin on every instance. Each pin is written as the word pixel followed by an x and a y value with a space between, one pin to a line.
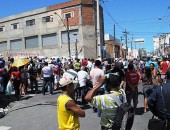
pixel 161 44
pixel 47 31
pixel 113 47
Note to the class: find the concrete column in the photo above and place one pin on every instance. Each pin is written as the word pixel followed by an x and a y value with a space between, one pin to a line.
pixel 23 43
pixel 8 45
pixel 40 42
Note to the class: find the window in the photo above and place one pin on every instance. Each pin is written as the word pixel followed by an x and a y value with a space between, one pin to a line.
pixel 2 29
pixel 14 26
pixel 68 15
pixel 30 22
pixel 47 19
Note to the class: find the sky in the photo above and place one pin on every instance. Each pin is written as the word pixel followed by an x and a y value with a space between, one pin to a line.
pixel 140 18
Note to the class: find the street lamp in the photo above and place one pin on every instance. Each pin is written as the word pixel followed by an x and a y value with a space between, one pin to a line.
pixel 67 28
pixel 68 34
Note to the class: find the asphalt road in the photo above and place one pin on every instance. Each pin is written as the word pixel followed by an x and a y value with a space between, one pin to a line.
pixel 38 112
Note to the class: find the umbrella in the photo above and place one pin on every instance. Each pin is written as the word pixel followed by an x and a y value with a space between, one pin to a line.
pixel 20 62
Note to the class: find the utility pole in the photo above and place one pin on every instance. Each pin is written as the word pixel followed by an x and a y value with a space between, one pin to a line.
pixel 132 47
pixel 98 30
pixel 68 35
pixel 76 49
pixel 126 52
pixel 114 42
pixel 76 53
pixel 159 46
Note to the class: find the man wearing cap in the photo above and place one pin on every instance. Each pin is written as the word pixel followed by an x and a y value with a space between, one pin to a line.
pixel 107 103
pixel 67 110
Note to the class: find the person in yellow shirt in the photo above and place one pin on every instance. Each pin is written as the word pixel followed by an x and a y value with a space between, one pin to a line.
pixel 68 112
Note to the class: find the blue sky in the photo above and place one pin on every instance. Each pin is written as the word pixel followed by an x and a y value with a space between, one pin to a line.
pixel 141 18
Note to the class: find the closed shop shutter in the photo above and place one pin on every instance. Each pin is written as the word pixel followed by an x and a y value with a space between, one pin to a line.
pixel 49 39
pixel 31 42
pixel 16 44
pixel 3 46
pixel 73 36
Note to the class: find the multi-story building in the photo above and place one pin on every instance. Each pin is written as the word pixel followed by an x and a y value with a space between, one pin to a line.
pixel 161 44
pixel 113 47
pixel 47 31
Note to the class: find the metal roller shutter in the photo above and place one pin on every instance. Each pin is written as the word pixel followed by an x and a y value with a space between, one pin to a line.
pixel 3 46
pixel 16 44
pixel 73 36
pixel 31 42
pixel 49 39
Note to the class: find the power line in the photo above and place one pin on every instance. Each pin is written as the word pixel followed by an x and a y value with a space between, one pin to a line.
pixel 108 13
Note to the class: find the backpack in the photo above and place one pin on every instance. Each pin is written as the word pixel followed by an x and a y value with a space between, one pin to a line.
pixel 123 109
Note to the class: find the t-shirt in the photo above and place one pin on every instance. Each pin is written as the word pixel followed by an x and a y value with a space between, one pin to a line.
pixel 133 78
pixel 108 107
pixel 84 62
pixel 33 73
pixel 16 75
pixel 47 71
pixel 83 76
pixel 66 118
pixel 164 67
pixel 96 74
pixel 77 65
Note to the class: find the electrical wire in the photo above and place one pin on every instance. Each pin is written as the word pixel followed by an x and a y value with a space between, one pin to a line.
pixel 108 13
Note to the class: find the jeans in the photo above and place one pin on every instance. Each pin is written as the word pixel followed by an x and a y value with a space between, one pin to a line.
pixel 47 80
pixel 132 96
pixel 35 82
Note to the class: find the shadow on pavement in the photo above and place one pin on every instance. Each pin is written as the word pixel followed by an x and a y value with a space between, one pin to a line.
pixel 140 93
pixel 139 111
pixel 6 100
pixel 32 106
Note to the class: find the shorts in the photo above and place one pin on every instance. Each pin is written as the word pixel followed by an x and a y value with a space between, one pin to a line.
pixel 56 79
pixel 147 90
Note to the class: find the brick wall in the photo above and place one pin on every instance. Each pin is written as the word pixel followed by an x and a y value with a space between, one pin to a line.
pixel 87 12
pixel 73 21
pixel 87 16
pixel 109 48
pixel 68 4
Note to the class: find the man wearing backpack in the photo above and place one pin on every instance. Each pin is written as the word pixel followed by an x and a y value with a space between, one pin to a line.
pixel 108 103
pixel 132 80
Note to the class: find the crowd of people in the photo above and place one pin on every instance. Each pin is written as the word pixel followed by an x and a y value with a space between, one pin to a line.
pixel 110 78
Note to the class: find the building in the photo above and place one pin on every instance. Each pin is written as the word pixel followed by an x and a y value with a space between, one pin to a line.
pixel 113 47
pixel 161 44
pixel 44 31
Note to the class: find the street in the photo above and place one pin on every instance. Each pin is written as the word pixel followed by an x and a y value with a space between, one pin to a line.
pixel 38 112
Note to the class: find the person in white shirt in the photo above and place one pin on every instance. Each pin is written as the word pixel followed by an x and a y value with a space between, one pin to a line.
pixel 83 77
pixel 46 74
pixel 97 75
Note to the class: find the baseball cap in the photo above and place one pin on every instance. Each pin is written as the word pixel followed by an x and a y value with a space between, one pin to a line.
pixel 65 81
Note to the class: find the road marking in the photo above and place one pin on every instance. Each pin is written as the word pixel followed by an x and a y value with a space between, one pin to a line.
pixel 4 128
